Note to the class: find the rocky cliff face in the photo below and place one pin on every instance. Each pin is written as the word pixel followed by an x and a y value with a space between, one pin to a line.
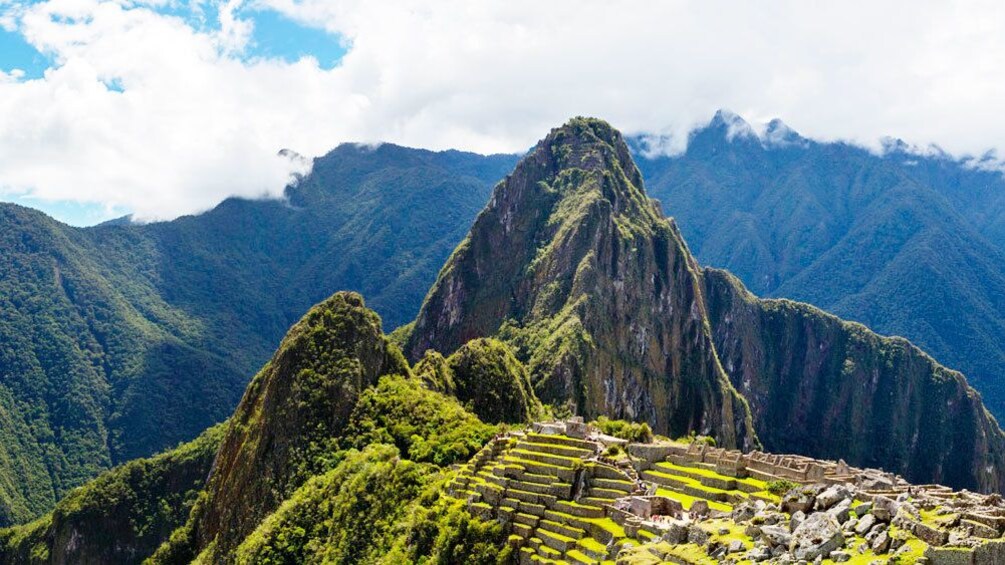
pixel 827 388
pixel 573 265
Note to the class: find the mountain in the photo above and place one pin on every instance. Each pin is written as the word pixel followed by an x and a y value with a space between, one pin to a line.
pixel 110 332
pixel 579 271
pixel 573 264
pixel 336 453
pixel 123 339
pixel 908 244
pixel 313 419
pixel 123 515
pixel 588 298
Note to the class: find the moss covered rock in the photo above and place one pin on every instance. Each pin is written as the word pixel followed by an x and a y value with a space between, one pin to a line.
pixel 491 380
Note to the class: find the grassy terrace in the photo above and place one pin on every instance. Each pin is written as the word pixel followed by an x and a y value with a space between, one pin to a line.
pixel 529 483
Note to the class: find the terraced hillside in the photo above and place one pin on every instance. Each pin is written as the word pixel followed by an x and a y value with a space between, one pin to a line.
pixel 568 494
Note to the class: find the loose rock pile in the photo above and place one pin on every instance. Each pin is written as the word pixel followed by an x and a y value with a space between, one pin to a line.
pixel 572 495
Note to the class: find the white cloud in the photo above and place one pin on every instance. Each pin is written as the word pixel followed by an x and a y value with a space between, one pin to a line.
pixel 197 121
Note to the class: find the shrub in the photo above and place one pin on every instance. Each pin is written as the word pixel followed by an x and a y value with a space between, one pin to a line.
pixel 631 431
pixel 780 487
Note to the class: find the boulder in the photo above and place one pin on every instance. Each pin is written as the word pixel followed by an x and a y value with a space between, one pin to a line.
pixel 840 511
pixel 831 496
pixel 743 512
pixel 884 509
pixel 862 509
pixel 799 499
pixel 865 524
pixel 817 536
pixel 881 543
pixel 759 553
pixel 697 535
pixel 776 536
pixel 797 518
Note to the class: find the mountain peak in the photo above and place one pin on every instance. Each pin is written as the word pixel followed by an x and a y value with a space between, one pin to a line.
pixel 732 124
pixel 778 134
pixel 590 144
pixel 575 267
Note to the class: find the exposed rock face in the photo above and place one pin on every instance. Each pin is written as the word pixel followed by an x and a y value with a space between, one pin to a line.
pixel 576 267
pixel 831 389
pixel 299 401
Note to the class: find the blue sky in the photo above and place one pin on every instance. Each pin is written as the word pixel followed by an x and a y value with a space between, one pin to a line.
pixel 274 36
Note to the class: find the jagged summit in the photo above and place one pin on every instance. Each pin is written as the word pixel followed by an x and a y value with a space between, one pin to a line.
pixel 731 124
pixel 778 134
pixel 573 265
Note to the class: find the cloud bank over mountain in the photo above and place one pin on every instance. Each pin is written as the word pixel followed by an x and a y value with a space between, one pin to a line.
pixel 164 108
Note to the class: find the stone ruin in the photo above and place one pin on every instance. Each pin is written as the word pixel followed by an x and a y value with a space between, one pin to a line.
pixel 567 500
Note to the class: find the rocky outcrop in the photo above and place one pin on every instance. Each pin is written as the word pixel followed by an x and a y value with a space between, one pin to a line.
pixel 827 388
pixel 576 267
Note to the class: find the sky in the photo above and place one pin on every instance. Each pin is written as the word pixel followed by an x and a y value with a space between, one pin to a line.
pixel 160 108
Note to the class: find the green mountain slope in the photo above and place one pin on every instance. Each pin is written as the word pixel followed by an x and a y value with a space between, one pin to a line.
pixel 328 419
pixel 321 461
pixel 123 515
pixel 120 340
pixel 831 389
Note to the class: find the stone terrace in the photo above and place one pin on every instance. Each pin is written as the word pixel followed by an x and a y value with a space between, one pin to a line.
pixel 569 494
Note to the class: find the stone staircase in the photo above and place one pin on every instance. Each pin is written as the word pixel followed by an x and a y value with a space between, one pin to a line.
pixel 551 493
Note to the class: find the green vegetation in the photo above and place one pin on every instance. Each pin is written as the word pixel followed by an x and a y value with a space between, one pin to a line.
pixel 344 516
pixel 780 487
pixel 908 244
pixel 435 373
pixel 122 340
pixel 632 431
pixel 425 426
pixel 491 380
pixel 866 426
pixel 121 516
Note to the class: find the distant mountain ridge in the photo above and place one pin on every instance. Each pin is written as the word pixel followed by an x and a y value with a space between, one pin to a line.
pixel 122 339
pixel 907 244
